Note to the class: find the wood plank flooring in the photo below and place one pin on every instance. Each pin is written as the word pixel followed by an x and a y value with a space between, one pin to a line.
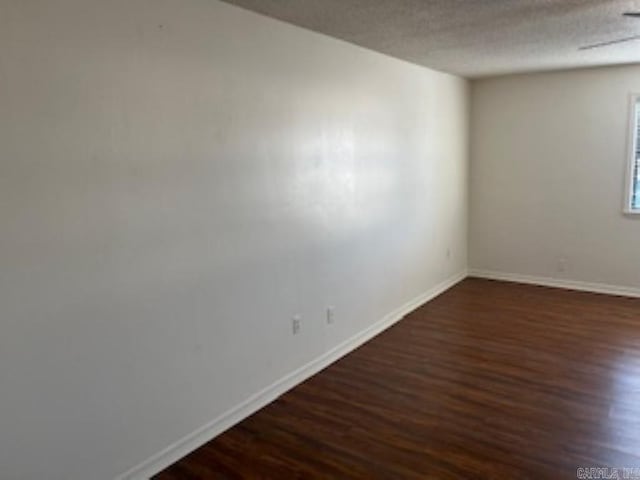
pixel 491 380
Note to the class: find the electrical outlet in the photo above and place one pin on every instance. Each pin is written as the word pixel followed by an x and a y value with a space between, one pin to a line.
pixel 330 315
pixel 562 265
pixel 296 323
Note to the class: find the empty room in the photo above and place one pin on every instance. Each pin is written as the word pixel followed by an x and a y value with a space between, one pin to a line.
pixel 330 239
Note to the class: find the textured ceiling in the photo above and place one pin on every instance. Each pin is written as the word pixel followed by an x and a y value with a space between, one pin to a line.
pixel 473 38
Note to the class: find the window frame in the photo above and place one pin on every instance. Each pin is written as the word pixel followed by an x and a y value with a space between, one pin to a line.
pixel 633 140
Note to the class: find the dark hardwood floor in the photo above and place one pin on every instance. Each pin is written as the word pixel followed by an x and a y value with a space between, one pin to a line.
pixel 489 380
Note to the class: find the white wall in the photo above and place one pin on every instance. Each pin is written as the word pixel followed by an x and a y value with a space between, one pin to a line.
pixel 177 179
pixel 548 163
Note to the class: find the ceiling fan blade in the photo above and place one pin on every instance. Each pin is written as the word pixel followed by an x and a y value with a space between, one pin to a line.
pixel 610 42
pixel 632 14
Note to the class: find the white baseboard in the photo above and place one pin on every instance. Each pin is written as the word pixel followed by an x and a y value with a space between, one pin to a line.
pixel 196 439
pixel 557 283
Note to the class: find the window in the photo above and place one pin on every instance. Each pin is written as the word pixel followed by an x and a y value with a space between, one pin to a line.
pixel 633 183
